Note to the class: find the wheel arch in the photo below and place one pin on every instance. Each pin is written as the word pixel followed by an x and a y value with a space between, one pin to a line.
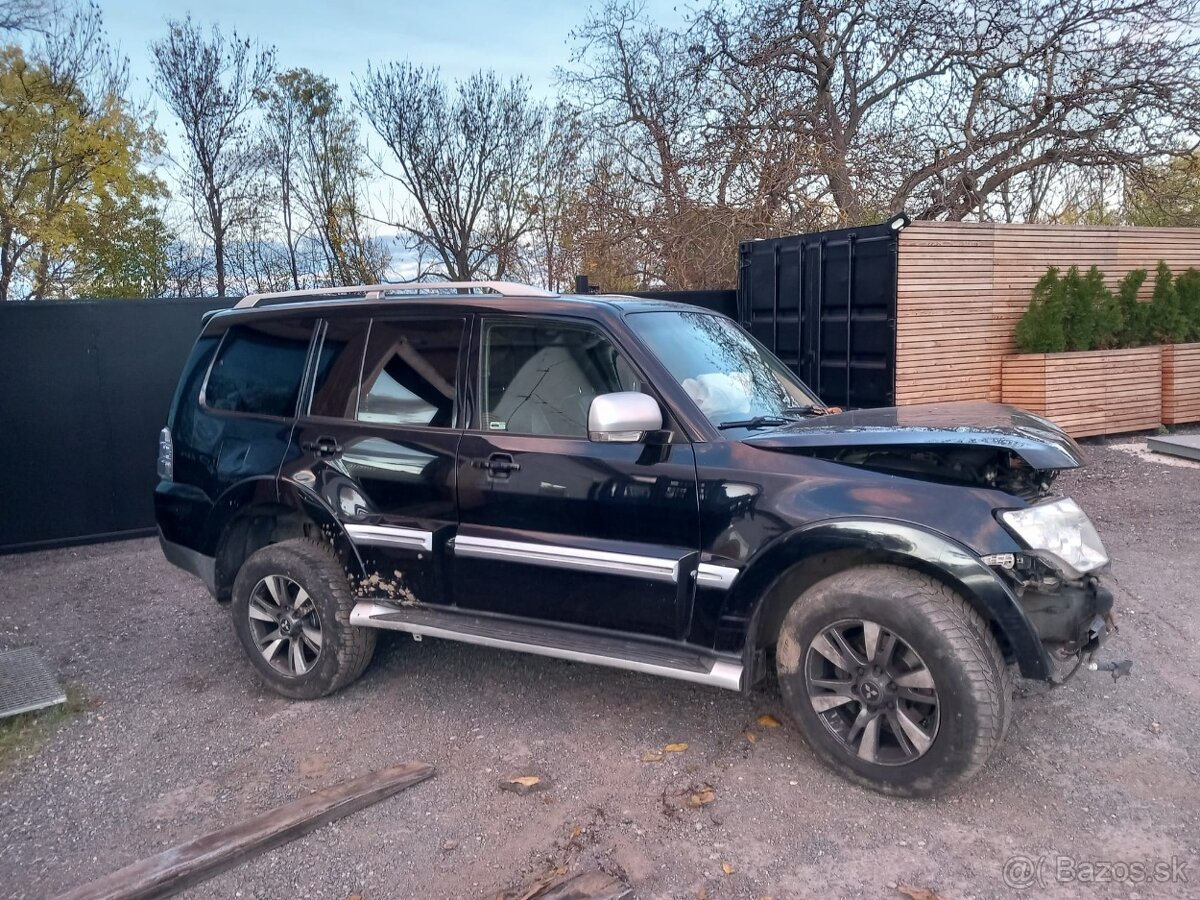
pixel 798 560
pixel 263 519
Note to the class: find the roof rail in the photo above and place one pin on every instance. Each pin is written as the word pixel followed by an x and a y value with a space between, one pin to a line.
pixel 379 291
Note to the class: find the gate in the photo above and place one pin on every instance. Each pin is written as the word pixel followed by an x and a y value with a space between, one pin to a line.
pixel 825 303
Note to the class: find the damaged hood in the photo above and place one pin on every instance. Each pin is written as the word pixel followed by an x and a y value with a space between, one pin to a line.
pixel 1041 443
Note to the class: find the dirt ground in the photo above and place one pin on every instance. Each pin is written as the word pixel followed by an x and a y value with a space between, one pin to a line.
pixel 179 739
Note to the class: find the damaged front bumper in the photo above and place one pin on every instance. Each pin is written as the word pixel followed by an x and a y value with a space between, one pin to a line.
pixel 1072 618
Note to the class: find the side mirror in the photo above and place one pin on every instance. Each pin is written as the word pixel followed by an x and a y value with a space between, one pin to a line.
pixel 624 417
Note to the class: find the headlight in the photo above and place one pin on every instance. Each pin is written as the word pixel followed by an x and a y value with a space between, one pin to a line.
pixel 1061 534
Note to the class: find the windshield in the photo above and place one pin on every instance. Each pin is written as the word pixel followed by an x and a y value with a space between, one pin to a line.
pixel 734 380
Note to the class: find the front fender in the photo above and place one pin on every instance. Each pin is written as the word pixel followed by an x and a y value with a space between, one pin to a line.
pixel 902 543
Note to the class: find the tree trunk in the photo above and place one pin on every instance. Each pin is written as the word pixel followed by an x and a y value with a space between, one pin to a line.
pixel 219 261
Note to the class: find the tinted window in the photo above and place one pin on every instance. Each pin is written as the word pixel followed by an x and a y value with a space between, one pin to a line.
pixel 339 367
pixel 410 372
pixel 540 378
pixel 258 368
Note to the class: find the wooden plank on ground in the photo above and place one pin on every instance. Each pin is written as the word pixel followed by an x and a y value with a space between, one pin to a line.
pixel 591 885
pixel 181 867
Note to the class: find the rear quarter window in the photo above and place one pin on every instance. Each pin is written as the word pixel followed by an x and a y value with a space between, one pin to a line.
pixel 259 368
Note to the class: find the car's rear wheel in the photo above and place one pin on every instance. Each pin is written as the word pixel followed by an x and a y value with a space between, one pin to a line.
pixel 291 611
pixel 894 680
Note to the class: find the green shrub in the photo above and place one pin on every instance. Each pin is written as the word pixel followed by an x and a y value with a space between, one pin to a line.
pixel 1135 326
pixel 1110 317
pixel 1082 298
pixel 1041 328
pixel 1188 287
pixel 1167 325
pixel 1079 312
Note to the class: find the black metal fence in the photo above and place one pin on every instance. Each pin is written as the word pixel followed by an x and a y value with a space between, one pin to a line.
pixel 825 303
pixel 84 390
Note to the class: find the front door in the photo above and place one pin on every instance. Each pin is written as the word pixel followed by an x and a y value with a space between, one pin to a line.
pixel 378 443
pixel 554 526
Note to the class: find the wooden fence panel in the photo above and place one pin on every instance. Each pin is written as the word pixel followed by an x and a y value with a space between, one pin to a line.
pixel 963 286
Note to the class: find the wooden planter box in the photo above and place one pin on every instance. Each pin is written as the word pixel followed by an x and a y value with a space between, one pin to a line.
pixel 1097 392
pixel 1180 383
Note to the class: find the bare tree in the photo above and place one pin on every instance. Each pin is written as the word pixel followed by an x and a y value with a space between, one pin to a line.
pixel 474 163
pixel 210 83
pixel 766 115
pixel 319 167
pixel 22 15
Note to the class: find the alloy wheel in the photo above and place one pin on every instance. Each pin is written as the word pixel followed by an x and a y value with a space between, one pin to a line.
pixel 872 691
pixel 285 625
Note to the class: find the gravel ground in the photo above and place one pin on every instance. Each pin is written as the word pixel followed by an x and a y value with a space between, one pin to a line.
pixel 180 740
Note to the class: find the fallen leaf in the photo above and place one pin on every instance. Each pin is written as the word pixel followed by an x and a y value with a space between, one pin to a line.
pixel 750 736
pixel 1155 728
pixel 917 893
pixel 524 784
pixel 354 897
pixel 701 797
pixel 652 756
pixel 766 720
pixel 727 868
pixel 576 831
pixel 702 894
pixel 675 748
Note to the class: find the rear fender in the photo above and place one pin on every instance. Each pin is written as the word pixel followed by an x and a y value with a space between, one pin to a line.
pixel 328 529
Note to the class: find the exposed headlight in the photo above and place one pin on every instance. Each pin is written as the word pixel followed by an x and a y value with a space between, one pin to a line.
pixel 1060 533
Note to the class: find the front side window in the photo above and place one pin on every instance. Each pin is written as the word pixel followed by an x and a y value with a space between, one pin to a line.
pixel 259 368
pixel 540 377
pixel 410 372
pixel 731 377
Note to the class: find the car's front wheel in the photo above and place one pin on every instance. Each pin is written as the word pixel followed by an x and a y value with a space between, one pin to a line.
pixel 291 611
pixel 894 680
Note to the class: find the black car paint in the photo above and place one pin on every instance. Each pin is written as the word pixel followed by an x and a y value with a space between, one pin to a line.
pixel 740 503
pixel 968 424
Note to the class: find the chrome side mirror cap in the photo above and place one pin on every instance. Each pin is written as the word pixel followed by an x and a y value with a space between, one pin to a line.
pixel 623 417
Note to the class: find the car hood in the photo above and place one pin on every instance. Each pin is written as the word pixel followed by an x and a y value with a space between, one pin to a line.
pixel 1041 443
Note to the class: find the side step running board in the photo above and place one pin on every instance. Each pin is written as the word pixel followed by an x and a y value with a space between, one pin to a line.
pixel 667 661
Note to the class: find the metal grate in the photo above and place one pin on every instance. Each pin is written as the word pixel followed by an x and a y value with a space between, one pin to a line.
pixel 25 683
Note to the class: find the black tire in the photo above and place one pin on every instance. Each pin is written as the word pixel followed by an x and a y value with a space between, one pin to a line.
pixel 333 653
pixel 938 637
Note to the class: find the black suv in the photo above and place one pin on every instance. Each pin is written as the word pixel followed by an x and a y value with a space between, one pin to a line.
pixel 632 483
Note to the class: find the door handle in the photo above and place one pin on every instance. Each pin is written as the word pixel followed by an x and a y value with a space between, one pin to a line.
pixel 323 447
pixel 498 465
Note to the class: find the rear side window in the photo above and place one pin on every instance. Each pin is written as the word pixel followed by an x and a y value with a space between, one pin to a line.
pixel 339 366
pixel 410 372
pixel 259 368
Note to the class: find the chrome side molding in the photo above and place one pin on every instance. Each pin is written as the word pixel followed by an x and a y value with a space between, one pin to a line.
pixel 721 673
pixel 654 568
pixel 710 575
pixel 390 536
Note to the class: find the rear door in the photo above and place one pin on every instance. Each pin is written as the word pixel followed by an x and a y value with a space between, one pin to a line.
pixel 378 442
pixel 554 526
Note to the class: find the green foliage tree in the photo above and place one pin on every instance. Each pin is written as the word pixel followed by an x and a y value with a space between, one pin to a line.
pixel 1041 328
pixel 1165 195
pixel 69 152
pixel 126 253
